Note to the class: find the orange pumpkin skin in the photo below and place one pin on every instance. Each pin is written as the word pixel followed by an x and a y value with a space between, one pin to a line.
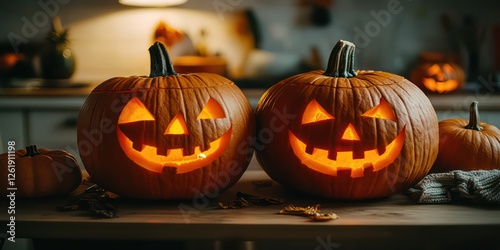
pixel 46 173
pixel 112 166
pixel 467 145
pixel 346 105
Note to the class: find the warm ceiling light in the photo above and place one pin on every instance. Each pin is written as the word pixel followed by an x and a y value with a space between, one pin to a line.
pixel 152 3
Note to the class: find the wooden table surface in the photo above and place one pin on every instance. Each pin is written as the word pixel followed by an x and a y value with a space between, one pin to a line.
pixel 396 217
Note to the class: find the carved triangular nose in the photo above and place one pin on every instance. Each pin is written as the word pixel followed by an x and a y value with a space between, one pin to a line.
pixel 177 126
pixel 350 133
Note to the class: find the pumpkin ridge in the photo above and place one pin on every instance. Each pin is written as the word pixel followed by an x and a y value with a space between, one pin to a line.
pixel 425 151
pixel 410 123
pixel 146 89
pixel 116 84
pixel 299 80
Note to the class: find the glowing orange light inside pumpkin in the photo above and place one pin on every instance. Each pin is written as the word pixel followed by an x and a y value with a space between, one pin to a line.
pixel 135 111
pixel 148 156
pixel 441 79
pixel 314 113
pixel 350 134
pixel 434 70
pixel 381 111
pixel 320 162
pixel 320 159
pixel 177 126
pixel 212 110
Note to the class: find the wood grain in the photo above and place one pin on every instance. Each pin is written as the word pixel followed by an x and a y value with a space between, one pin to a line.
pixel 393 217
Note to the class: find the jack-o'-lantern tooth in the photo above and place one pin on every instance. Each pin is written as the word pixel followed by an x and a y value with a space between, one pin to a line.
pixel 193 151
pixel 344 172
pixel 160 151
pixel 310 149
pixel 358 153
pixel 332 155
pixel 138 145
pixel 190 150
pixel 381 148
pixel 368 168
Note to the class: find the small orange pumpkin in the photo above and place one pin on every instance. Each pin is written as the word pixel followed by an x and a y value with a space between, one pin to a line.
pixel 346 134
pixel 166 136
pixel 39 172
pixel 467 145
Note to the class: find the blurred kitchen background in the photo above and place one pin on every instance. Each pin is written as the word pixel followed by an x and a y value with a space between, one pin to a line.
pixel 257 39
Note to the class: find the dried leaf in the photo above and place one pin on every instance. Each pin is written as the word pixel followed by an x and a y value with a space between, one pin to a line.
pixel 310 211
pixel 246 200
pixel 94 199
pixel 260 200
pixel 234 204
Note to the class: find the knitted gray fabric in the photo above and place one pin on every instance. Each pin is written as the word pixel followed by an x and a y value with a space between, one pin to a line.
pixel 477 185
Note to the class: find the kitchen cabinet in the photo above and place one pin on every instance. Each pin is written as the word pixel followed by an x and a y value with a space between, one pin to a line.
pixel 55 129
pixel 11 125
pixel 45 117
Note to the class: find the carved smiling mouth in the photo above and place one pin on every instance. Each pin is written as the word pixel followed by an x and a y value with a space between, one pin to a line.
pixel 318 160
pixel 175 159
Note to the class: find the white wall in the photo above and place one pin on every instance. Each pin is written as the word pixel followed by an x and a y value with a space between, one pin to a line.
pixel 112 40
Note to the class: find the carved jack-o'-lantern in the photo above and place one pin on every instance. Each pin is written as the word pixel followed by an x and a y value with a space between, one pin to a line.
pixel 346 134
pixel 437 74
pixel 342 157
pixel 166 136
pixel 154 153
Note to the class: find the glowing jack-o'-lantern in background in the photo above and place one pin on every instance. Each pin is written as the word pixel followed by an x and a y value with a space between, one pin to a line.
pixel 437 73
pixel 346 134
pixel 166 136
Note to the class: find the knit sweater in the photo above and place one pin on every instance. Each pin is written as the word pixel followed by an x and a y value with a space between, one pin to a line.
pixel 478 186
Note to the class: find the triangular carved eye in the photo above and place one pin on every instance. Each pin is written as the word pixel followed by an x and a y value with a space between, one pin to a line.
pixel 381 111
pixel 448 69
pixel 315 113
pixel 177 126
pixel 350 134
pixel 212 110
pixel 135 111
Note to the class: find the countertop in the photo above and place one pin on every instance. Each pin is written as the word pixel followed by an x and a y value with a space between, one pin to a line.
pixel 396 218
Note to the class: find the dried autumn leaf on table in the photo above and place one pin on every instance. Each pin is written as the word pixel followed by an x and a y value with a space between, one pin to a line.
pixel 246 200
pixel 94 199
pixel 310 211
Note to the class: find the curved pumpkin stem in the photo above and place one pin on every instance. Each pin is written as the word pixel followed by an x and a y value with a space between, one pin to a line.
pixel 161 65
pixel 473 117
pixel 31 151
pixel 341 61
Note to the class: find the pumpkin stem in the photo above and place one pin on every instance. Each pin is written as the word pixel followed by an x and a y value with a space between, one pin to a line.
pixel 341 61
pixel 31 151
pixel 473 117
pixel 161 65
